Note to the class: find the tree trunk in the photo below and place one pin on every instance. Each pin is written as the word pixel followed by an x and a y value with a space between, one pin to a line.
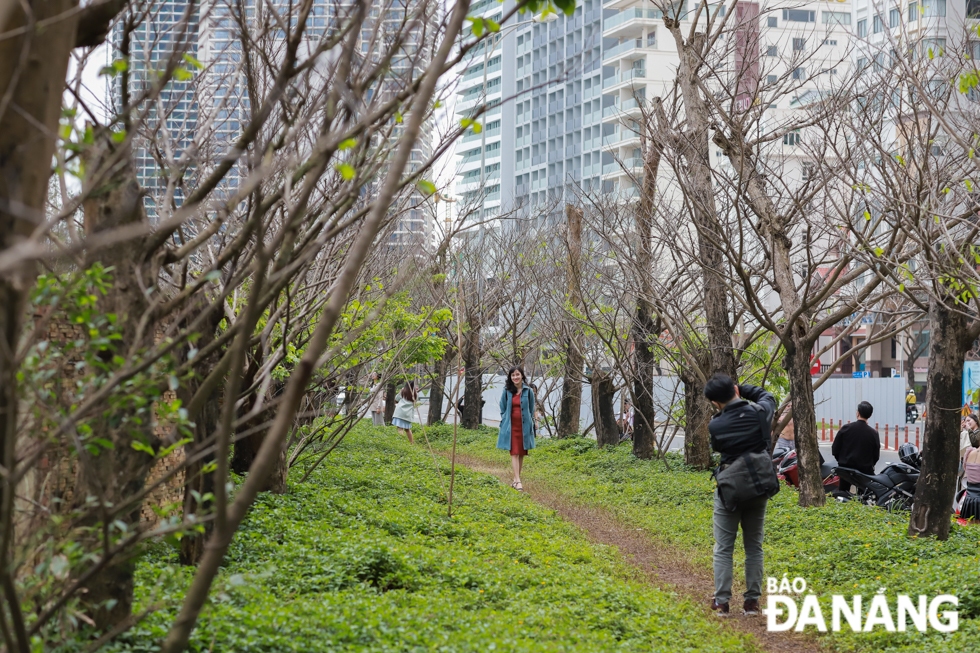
pixel 805 421
pixel 603 410
pixel 391 398
pixel 645 329
pixel 198 482
pixel 113 475
pixel 473 383
pixel 571 387
pixel 934 492
pixel 571 393
pixel 644 437
pixel 437 393
pixel 33 67
pixel 697 414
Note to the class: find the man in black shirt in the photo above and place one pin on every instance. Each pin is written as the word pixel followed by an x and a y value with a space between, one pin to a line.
pixel 739 428
pixel 857 445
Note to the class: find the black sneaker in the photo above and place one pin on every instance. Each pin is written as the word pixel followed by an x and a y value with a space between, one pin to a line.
pixel 720 609
pixel 751 606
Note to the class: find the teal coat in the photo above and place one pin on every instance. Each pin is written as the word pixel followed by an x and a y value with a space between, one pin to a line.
pixel 527 418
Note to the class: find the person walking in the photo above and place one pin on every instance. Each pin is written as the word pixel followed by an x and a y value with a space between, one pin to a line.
pixel 516 422
pixel 377 406
pixel 740 432
pixel 405 410
pixel 857 445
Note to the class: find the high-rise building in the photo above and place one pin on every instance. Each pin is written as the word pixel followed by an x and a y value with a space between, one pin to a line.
pixel 216 98
pixel 537 147
pixel 566 95
pixel 170 26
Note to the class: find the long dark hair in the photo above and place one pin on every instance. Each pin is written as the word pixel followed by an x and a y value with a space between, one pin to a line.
pixel 510 384
pixel 410 392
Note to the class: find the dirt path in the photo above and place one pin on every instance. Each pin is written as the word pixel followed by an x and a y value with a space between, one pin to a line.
pixel 658 564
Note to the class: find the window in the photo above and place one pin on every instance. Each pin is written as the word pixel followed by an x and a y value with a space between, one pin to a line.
pixel 772 51
pixel 804 16
pixel 771 21
pixel 934 47
pixel 913 12
pixel 830 41
pixel 799 73
pixel 877 25
pixel 799 44
pixel 652 39
pixel 771 79
pixel 862 62
pixel 836 17
pixel 862 28
pixel 792 138
pixel 894 18
pixel 933 8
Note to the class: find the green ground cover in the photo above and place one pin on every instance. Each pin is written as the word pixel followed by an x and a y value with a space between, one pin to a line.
pixel 843 549
pixel 363 558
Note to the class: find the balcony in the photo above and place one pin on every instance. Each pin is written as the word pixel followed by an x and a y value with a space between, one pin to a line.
pixel 629 50
pixel 631 165
pixel 613 113
pixel 471 137
pixel 630 22
pixel 632 75
pixel 476 74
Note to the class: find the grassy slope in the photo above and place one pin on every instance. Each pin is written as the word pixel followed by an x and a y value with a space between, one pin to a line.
pixel 362 557
pixel 840 549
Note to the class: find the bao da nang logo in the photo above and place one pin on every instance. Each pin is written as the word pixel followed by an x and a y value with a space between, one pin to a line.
pixel 789 609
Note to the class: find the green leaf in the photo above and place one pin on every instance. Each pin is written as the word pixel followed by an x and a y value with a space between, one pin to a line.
pixel 120 136
pixel 477 26
pixel 398 117
pixel 492 25
pixel 426 187
pixel 346 170
pixel 567 6
pixel 192 60
pixel 346 145
pixel 466 122
pixel 181 74
pixel 140 446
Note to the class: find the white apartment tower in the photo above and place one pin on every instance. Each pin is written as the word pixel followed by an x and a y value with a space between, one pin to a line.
pixel 543 144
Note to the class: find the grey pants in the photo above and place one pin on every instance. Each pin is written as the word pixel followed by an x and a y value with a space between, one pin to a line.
pixel 752 517
pixel 377 418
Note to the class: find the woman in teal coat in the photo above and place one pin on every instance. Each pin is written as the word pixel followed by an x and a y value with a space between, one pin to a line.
pixel 516 422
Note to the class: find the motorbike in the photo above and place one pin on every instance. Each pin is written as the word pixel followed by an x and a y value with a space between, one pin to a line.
pixel 893 489
pixel 788 470
pixel 911 414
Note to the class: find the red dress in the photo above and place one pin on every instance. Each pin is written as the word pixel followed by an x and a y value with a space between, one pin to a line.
pixel 516 428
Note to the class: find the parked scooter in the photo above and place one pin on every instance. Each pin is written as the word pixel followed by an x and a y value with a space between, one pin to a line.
pixel 893 489
pixel 789 471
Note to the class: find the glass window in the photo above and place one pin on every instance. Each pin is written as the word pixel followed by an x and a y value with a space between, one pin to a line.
pixel 913 12
pixel 933 8
pixel 801 15
pixel 772 51
pixel 799 44
pixel 799 73
pixel 836 17
pixel 862 28
pixel 894 18
pixel 771 21
pixel 878 25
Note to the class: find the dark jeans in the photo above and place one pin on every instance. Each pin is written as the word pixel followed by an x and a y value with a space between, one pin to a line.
pixel 751 515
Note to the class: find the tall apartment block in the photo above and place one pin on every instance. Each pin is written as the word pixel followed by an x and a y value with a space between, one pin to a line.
pixel 798 47
pixel 217 98
pixel 536 149
pixel 170 25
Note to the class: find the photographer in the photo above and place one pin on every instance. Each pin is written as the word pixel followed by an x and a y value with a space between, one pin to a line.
pixel 740 433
